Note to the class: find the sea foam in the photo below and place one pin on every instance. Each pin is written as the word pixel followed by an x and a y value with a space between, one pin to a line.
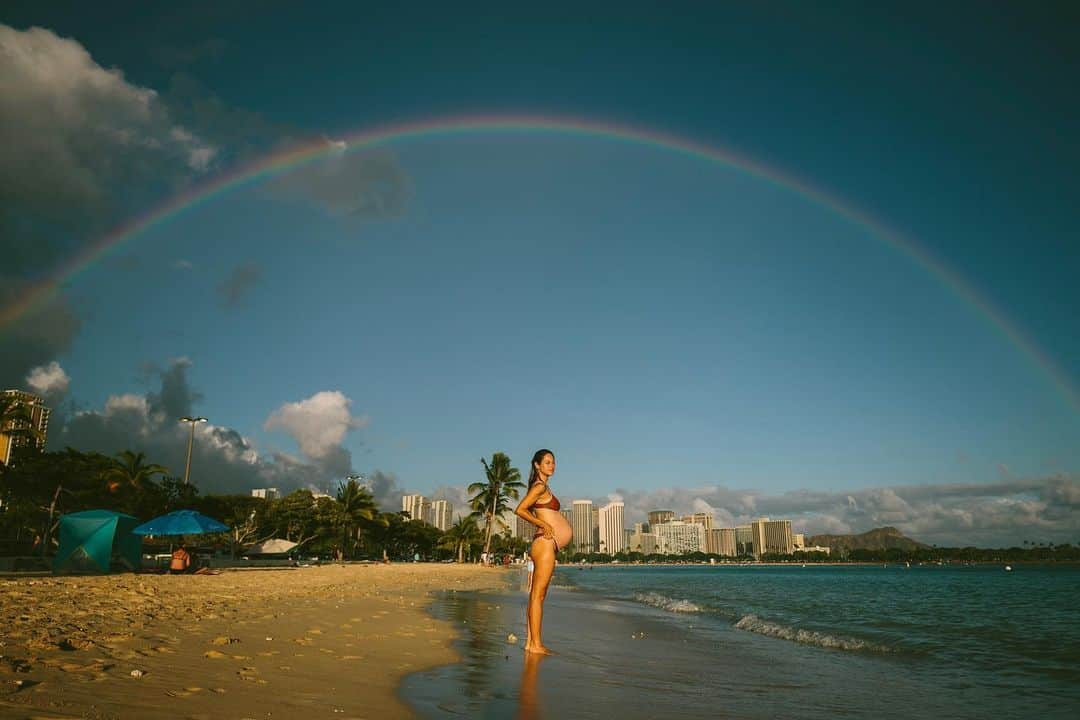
pixel 663 602
pixel 753 623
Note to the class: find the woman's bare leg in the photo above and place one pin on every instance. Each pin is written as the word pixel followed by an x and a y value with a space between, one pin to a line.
pixel 543 555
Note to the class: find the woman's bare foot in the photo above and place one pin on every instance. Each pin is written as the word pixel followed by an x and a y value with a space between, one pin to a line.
pixel 539 650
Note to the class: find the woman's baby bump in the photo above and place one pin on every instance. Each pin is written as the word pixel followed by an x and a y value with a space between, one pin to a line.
pixel 560 528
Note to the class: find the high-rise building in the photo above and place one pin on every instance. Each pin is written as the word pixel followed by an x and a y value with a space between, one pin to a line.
pixel 701 518
pixel 442 514
pixel 596 529
pixel 414 505
pixel 581 523
pixel 640 528
pixel 524 529
pixel 568 513
pixel 647 544
pixel 720 541
pixel 31 431
pixel 744 540
pixel 798 540
pixel 772 537
pixel 265 493
pixel 678 538
pixel 660 516
pixel 611 528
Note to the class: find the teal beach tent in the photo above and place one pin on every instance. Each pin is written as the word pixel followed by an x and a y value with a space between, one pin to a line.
pixel 90 539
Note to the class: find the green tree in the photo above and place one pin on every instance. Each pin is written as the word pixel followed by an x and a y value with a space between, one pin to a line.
pixel 461 535
pixel 491 498
pixel 132 470
pixel 355 508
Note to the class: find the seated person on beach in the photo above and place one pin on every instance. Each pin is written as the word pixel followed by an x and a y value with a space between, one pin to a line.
pixel 181 560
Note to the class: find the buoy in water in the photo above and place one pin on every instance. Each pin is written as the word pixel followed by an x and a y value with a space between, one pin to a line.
pixel 1008 568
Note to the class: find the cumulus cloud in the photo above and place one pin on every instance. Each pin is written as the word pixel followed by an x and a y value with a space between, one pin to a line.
pixel 223 460
pixel 239 283
pixel 367 184
pixel 317 424
pixel 49 380
pixel 74 130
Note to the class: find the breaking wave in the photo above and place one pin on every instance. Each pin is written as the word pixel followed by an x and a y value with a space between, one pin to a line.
pixel 663 602
pixel 753 623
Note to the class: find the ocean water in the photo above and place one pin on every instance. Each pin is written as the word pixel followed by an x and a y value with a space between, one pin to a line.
pixel 758 641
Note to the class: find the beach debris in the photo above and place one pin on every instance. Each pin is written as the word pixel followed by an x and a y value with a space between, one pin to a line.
pixel 511 638
pixel 268 638
pixel 213 654
pixel 137 673
pixel 225 640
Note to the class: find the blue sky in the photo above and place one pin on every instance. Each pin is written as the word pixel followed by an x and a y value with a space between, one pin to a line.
pixel 678 331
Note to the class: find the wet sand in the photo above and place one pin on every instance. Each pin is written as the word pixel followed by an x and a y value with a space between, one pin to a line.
pixel 310 642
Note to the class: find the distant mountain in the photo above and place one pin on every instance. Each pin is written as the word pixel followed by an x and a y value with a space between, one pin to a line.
pixel 882 538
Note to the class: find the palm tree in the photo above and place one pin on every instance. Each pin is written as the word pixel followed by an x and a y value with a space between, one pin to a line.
pixel 490 498
pixel 131 470
pixel 461 534
pixel 355 505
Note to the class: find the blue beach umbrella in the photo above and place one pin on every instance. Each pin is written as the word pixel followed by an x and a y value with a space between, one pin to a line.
pixel 181 522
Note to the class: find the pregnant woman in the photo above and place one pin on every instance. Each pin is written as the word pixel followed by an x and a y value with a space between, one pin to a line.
pixel 541 508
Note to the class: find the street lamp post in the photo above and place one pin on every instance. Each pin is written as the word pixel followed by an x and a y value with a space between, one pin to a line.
pixel 191 441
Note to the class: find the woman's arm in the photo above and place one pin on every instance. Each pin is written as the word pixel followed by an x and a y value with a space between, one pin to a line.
pixel 523 508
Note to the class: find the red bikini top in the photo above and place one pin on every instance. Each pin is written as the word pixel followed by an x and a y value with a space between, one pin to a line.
pixel 552 504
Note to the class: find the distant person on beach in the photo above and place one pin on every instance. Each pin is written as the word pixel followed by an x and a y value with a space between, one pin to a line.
pixel 529 567
pixel 541 508
pixel 181 560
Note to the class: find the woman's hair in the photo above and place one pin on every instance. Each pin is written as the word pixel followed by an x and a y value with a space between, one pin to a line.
pixel 537 457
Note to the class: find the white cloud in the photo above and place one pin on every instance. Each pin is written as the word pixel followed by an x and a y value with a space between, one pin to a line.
pixel 49 380
pixel 318 424
pixel 72 128
pixel 127 404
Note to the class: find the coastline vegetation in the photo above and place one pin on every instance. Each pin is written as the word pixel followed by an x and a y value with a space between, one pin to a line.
pixel 40 487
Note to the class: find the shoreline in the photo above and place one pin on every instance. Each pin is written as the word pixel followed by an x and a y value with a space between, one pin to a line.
pixel 252 644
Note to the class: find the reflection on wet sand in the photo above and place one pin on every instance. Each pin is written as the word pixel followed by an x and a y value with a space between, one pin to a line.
pixel 528 700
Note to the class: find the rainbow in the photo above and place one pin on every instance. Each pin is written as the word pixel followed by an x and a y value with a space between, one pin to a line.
pixel 284 161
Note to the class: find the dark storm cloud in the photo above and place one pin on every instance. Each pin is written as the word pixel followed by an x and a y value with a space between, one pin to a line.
pixel 78 136
pixel 223 460
pixel 34 339
pixel 176 396
pixel 384 487
pixel 239 283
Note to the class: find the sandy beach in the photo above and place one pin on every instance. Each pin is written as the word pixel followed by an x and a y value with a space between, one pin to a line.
pixel 329 641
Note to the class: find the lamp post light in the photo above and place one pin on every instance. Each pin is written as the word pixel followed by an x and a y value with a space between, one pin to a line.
pixel 191 440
